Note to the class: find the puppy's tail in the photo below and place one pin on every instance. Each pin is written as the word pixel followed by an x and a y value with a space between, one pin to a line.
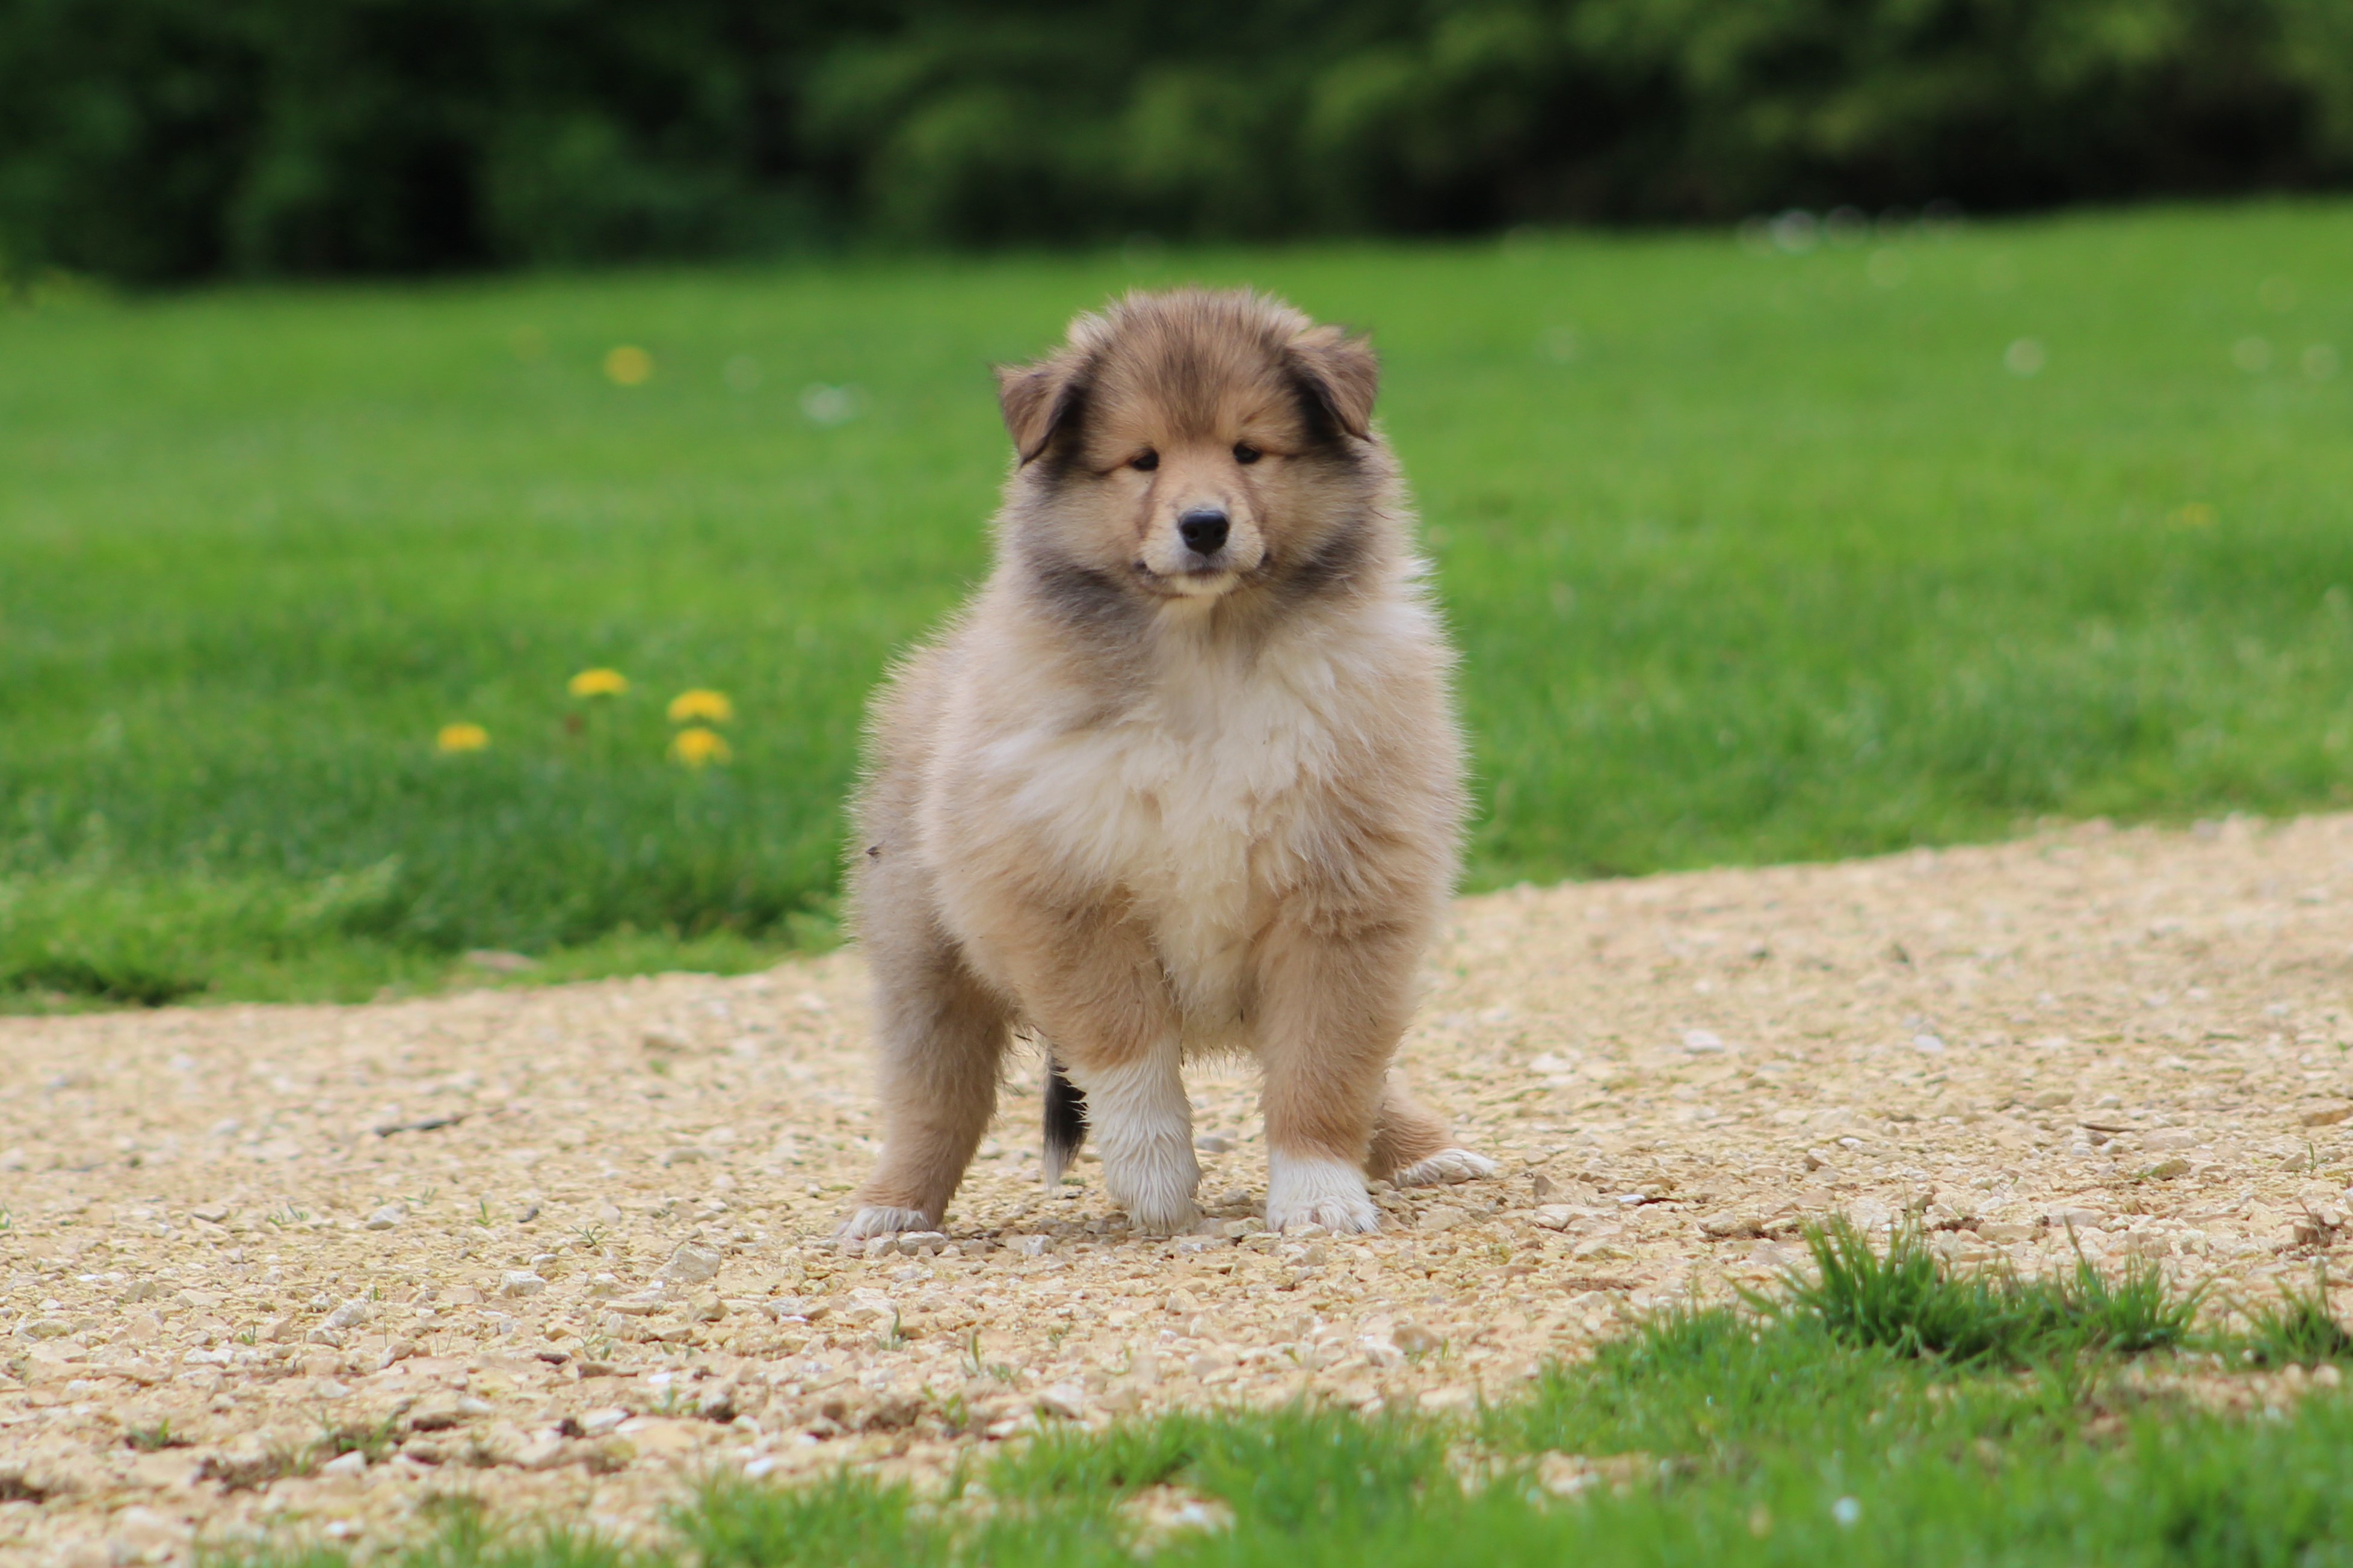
pixel 1066 1122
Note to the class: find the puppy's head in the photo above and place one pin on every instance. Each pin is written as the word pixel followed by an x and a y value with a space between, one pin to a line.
pixel 1187 445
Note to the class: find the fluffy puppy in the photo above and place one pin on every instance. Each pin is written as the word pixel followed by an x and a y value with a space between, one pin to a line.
pixel 1182 777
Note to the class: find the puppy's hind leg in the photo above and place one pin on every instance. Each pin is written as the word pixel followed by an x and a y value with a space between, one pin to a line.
pixel 941 1038
pixel 1412 1145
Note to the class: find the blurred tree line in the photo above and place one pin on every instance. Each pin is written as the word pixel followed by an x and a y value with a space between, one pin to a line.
pixel 155 140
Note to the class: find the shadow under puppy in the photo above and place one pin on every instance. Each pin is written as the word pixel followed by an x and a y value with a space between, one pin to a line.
pixel 1183 777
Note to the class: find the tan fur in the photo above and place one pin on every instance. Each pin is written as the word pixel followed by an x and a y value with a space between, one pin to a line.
pixel 1146 802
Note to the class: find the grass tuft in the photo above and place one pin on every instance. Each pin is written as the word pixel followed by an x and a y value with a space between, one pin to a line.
pixel 1908 1301
pixel 2300 1330
pixel 849 1521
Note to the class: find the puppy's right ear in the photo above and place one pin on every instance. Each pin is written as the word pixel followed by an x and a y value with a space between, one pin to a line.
pixel 1037 398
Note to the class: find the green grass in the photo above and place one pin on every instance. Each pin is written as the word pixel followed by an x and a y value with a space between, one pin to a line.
pixel 1905 1300
pixel 1712 1436
pixel 1751 558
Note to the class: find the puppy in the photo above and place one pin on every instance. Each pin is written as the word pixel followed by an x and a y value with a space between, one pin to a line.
pixel 1182 777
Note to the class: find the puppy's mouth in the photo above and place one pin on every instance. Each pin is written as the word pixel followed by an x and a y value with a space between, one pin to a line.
pixel 1201 579
pixel 1205 581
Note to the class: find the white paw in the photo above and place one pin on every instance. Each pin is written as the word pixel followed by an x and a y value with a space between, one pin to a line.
pixel 1327 1193
pixel 1154 1177
pixel 879 1221
pixel 1143 1130
pixel 1448 1165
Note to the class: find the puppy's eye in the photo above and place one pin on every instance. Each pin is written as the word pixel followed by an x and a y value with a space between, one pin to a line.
pixel 1145 462
pixel 1245 452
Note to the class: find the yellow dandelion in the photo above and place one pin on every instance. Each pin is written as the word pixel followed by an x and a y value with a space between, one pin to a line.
pixel 628 366
pixel 699 747
pixel 600 683
pixel 462 737
pixel 700 706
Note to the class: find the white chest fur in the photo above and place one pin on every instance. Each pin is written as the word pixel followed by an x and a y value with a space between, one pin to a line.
pixel 1193 801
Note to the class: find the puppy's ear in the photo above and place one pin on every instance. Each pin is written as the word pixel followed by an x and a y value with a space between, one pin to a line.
pixel 1036 399
pixel 1340 373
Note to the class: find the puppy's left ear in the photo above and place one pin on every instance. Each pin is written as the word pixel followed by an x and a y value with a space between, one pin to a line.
pixel 1340 373
pixel 1036 399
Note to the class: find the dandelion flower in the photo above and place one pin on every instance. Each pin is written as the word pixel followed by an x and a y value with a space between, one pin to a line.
pixel 699 747
pixel 700 706
pixel 462 737
pixel 600 683
pixel 628 366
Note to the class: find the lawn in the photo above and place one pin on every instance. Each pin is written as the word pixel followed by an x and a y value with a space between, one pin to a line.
pixel 1754 553
pixel 1879 1410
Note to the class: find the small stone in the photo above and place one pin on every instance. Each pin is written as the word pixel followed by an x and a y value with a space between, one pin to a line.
pixel 1543 1187
pixel 2052 1099
pixel 1414 1340
pixel 2327 1115
pixel 46 1329
pixel 2166 1139
pixel 351 1314
pixel 1729 1225
pixel 686 1154
pixel 1555 1216
pixel 211 1214
pixel 1441 1217
pixel 387 1217
pixel 1703 1042
pixel 922 1244
pixel 1213 1143
pixel 692 1265
pixel 655 1437
pixel 143 1534
pixel 2166 1170
pixel 520 1282
pixel 541 1451
pixel 1067 1400
pixel 344 1466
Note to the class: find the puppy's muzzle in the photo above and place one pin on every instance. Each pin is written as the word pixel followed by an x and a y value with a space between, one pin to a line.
pixel 1203 530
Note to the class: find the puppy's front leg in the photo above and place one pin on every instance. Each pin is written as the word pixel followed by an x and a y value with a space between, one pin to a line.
pixel 1092 984
pixel 1332 1005
pixel 942 1035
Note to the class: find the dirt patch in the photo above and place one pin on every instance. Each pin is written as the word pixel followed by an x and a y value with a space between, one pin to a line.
pixel 317 1267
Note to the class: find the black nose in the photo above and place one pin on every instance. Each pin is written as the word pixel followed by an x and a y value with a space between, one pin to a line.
pixel 1203 530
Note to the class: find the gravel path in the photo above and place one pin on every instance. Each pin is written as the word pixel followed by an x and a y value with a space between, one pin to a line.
pixel 560 1246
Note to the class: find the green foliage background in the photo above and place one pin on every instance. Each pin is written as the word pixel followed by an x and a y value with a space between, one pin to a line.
pixel 171 139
